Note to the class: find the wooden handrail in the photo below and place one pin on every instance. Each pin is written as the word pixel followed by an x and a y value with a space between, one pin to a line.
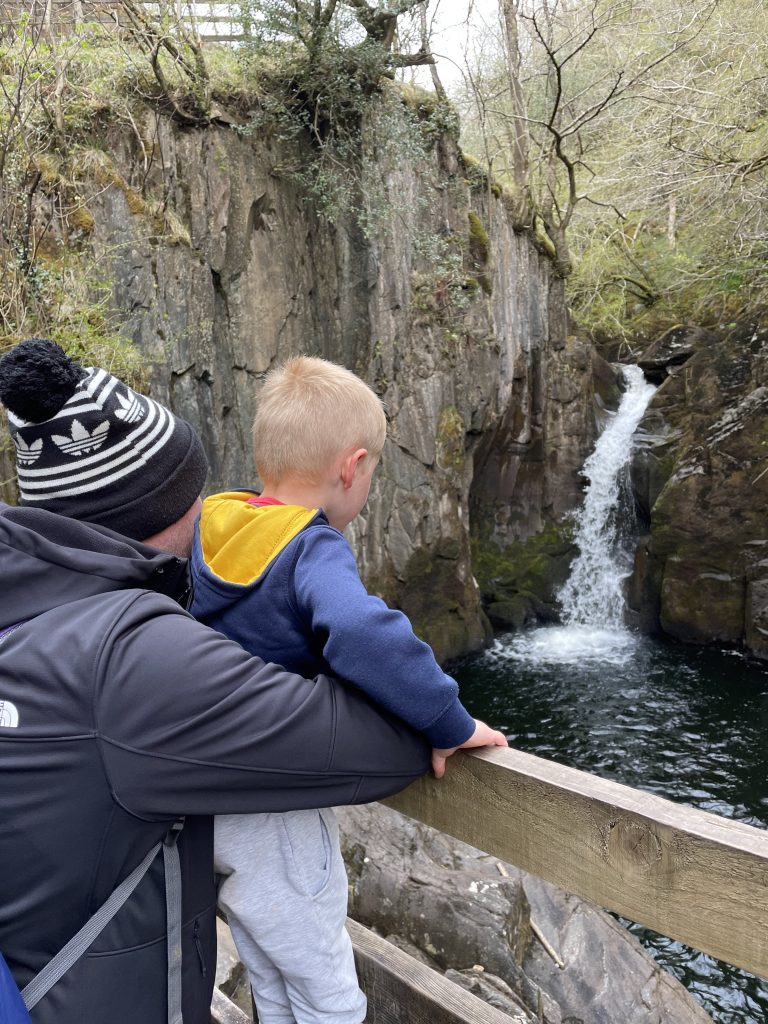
pixel 685 873
pixel 62 16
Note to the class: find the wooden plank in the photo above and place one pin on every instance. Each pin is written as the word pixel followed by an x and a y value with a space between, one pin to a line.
pixel 224 1011
pixel 401 990
pixel 685 873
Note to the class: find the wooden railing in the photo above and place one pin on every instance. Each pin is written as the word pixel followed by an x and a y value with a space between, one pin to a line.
pixel 690 875
pixel 210 20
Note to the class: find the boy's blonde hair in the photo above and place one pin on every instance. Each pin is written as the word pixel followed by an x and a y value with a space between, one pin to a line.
pixel 309 412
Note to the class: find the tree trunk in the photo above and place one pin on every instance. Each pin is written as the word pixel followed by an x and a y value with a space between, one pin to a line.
pixel 425 46
pixel 672 220
pixel 516 127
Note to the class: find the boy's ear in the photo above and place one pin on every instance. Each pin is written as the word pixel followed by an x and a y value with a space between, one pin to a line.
pixel 349 465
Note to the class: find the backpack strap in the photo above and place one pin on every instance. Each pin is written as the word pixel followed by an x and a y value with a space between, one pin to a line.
pixel 173 919
pixel 56 968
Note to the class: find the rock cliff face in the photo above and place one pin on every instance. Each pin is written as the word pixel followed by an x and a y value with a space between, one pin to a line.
pixel 701 472
pixel 453 316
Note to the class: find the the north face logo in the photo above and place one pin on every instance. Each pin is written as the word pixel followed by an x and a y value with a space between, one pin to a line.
pixel 9 716
pixel 81 441
pixel 26 454
pixel 131 408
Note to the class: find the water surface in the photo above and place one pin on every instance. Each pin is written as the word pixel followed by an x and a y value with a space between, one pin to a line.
pixel 689 724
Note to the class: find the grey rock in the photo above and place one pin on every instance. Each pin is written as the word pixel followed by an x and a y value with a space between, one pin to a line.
pixel 701 475
pixel 470 914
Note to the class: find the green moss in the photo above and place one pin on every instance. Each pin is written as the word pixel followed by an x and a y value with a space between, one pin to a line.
pixel 478 238
pixel 422 101
pixel 701 607
pixel 519 582
pixel 94 346
pixel 136 204
pixel 450 439
pixel 81 219
pixel 48 165
pixel 479 251
pixel 436 115
pixel 542 238
pixel 475 173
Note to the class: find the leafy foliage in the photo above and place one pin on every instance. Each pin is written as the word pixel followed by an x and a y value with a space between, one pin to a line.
pixel 649 143
pixel 322 64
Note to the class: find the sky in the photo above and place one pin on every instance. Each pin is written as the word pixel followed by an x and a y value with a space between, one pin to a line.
pixel 454 27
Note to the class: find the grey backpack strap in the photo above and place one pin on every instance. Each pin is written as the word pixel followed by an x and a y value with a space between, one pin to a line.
pixel 173 920
pixel 79 943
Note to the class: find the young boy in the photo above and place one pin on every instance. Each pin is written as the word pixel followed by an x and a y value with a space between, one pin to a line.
pixel 274 572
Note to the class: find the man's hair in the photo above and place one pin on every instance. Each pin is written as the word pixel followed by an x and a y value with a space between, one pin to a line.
pixel 309 411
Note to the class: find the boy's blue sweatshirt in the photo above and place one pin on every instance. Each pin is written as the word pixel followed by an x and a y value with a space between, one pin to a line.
pixel 283 582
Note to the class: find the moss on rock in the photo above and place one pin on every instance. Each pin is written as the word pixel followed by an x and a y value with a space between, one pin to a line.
pixel 519 583
pixel 479 251
pixel 450 439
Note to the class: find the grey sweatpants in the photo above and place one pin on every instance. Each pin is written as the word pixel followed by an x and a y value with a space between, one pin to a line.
pixel 284 891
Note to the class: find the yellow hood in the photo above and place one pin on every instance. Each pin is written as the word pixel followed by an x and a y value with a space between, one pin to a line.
pixel 239 540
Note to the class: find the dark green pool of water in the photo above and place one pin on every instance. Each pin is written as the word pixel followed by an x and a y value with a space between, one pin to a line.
pixel 689 724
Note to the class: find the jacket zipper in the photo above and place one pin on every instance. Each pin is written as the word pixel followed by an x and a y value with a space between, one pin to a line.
pixel 199 948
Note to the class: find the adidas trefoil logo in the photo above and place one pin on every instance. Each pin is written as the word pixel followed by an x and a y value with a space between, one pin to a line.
pixel 131 407
pixel 81 441
pixel 26 454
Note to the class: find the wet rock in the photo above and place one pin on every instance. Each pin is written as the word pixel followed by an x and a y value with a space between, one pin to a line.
pixel 497 993
pixel 673 348
pixel 701 475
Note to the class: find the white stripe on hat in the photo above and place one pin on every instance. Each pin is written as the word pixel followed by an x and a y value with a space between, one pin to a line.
pixel 153 410
pixel 97 484
pixel 129 448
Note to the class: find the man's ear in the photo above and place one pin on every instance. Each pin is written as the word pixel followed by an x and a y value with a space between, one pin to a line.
pixel 350 465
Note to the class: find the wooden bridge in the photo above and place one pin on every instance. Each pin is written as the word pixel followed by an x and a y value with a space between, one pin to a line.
pixel 687 874
pixel 209 20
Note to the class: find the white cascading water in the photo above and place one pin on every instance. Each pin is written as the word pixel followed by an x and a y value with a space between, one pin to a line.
pixel 592 599
pixel 593 594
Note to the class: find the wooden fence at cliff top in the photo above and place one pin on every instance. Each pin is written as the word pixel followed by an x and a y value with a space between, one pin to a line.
pixel 210 21
pixel 687 874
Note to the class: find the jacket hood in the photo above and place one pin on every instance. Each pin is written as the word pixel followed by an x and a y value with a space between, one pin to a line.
pixel 239 541
pixel 49 560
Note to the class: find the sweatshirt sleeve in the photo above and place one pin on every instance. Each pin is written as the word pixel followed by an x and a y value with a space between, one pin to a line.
pixel 371 645
pixel 189 723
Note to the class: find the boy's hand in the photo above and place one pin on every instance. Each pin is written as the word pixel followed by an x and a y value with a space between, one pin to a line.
pixel 483 736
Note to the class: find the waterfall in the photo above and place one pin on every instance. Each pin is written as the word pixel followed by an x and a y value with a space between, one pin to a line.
pixel 593 594
pixel 592 599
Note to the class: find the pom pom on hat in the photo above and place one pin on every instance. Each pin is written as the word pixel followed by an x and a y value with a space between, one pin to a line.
pixel 89 447
pixel 37 379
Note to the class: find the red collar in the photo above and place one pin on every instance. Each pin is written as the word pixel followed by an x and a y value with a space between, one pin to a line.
pixel 263 499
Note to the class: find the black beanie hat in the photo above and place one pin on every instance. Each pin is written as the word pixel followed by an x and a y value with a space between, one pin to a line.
pixel 89 447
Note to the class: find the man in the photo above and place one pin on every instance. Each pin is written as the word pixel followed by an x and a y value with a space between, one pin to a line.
pixel 119 713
